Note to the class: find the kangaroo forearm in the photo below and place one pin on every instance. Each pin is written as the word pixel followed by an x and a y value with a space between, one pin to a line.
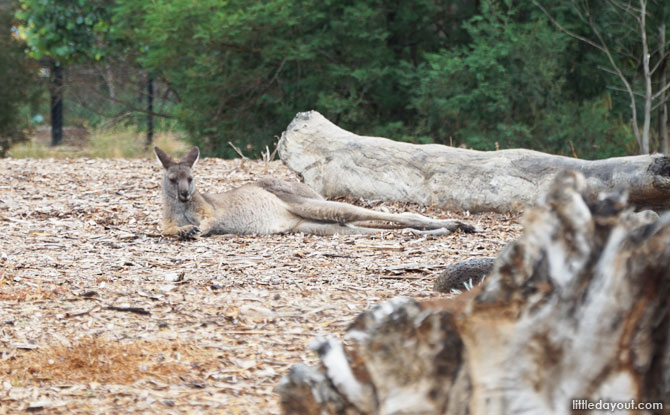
pixel 171 229
pixel 207 225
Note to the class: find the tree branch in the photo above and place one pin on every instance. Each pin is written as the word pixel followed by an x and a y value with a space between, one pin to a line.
pixel 607 52
pixel 566 31
pixel 131 107
pixel 627 8
pixel 658 94
pixel 614 88
pixel 661 102
pixel 608 70
pixel 660 60
pixel 602 46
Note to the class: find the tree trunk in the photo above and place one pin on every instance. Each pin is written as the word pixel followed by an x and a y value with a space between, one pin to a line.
pixel 647 79
pixel 627 11
pixel 56 92
pixel 664 81
pixel 109 80
pixel 576 309
pixel 338 163
pixel 150 110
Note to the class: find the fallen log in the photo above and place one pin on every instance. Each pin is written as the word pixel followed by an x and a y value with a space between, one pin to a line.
pixel 576 312
pixel 338 163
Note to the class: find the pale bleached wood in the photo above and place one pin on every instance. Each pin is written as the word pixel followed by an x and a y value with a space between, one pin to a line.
pixel 576 308
pixel 338 163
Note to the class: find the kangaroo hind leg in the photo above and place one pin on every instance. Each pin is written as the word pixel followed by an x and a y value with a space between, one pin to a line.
pixel 326 228
pixel 329 228
pixel 328 211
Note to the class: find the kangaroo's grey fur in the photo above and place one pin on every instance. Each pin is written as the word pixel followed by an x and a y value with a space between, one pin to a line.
pixel 269 206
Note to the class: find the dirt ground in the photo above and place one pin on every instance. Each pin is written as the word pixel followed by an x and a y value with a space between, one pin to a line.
pixel 101 315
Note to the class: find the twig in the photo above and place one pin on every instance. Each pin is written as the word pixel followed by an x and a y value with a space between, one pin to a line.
pixel 659 93
pixel 405 277
pixel 615 88
pixel 661 59
pixel 116 228
pixel 574 153
pixel 82 313
pixel 237 150
pixel 132 107
pixel 136 310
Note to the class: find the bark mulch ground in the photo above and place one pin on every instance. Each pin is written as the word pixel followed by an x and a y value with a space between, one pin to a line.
pixel 101 315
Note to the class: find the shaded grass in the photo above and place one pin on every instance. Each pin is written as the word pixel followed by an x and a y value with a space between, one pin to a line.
pixel 118 142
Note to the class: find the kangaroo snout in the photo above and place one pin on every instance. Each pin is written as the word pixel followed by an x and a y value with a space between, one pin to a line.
pixel 184 195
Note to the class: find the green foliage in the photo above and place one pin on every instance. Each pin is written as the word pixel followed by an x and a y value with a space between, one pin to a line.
pixel 243 69
pixel 483 74
pixel 407 70
pixel 66 31
pixel 508 88
pixel 18 75
pixel 616 25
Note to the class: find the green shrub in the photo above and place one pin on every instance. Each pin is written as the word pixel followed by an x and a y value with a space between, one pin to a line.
pixel 19 80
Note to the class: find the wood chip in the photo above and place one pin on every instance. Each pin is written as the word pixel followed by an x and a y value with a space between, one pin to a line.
pixel 81 235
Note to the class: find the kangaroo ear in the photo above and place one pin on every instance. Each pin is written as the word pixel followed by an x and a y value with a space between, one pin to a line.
pixel 191 157
pixel 164 158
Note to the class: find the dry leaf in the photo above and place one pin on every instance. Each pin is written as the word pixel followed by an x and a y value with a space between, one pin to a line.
pixel 247 302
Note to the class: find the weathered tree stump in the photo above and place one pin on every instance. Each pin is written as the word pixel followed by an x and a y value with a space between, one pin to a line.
pixel 338 163
pixel 577 308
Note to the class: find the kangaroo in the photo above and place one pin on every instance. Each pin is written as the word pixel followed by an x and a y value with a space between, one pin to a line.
pixel 270 206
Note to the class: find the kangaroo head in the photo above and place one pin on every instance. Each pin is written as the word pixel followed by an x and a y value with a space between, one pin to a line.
pixel 178 178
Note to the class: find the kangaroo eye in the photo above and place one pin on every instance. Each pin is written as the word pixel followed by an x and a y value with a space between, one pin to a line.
pixel 190 179
pixel 173 180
